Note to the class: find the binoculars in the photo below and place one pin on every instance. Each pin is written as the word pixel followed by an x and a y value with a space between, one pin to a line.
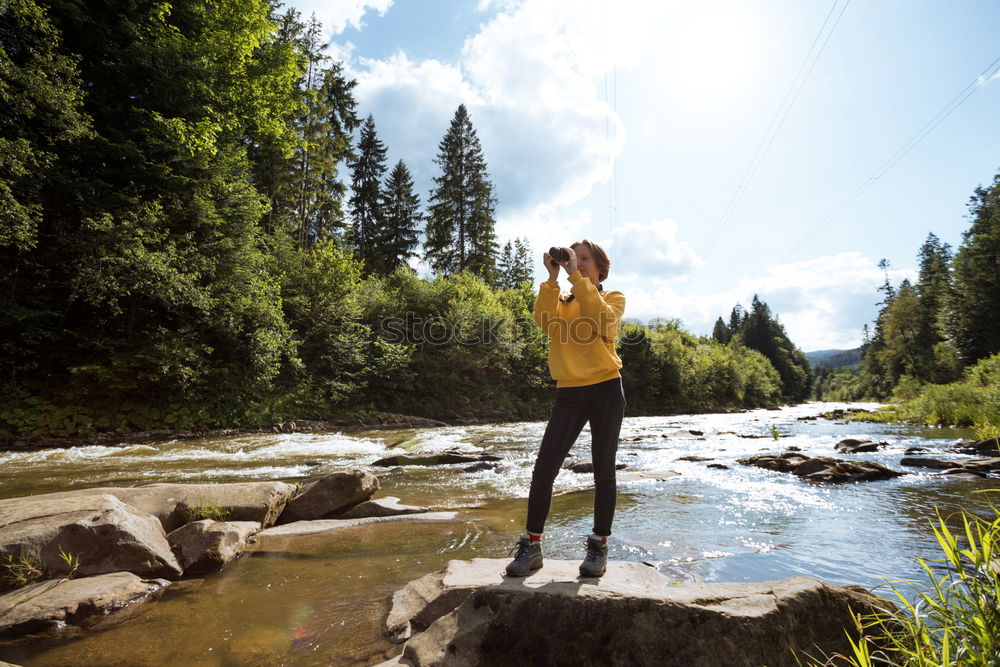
pixel 559 254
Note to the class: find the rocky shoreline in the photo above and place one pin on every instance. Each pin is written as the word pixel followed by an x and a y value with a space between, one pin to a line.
pixel 74 556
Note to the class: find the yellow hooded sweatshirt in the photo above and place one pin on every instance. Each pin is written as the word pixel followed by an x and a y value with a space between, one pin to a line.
pixel 582 331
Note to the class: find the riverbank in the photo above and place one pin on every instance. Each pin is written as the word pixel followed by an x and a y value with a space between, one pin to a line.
pixel 346 424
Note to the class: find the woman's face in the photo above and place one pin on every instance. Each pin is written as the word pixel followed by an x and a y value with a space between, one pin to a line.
pixel 586 265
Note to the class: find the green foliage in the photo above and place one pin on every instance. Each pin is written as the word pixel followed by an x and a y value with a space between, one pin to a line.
pixel 759 330
pixel 18 571
pixel 205 509
pixel 666 369
pixel 976 293
pixel 955 617
pixel 401 218
pixel 367 220
pixel 460 226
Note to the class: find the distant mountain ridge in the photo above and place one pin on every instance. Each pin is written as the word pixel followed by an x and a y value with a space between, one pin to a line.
pixel 834 358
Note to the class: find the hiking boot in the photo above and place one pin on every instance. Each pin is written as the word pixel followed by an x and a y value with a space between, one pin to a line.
pixel 527 559
pixel 596 561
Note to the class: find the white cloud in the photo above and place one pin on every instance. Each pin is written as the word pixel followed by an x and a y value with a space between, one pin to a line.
pixel 532 79
pixel 823 303
pixel 338 15
pixel 654 251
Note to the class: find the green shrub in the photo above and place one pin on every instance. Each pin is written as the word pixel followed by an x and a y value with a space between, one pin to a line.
pixel 955 616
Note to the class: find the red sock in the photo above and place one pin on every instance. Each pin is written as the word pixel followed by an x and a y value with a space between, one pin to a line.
pixel 534 537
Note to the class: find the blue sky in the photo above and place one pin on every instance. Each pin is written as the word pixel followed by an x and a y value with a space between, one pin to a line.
pixel 634 124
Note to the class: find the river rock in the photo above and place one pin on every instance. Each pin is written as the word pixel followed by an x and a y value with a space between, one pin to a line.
pixel 443 458
pixel 695 459
pixel 473 615
pixel 388 506
pixel 49 605
pixel 176 504
pixel 989 447
pixel 588 466
pixel 208 546
pixel 976 466
pixel 324 497
pixel 822 468
pixel 101 532
pixel 853 446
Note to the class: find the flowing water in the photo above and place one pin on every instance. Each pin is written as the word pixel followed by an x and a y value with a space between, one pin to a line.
pixel 320 600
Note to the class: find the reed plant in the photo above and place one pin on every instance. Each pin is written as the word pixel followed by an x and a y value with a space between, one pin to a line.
pixel 954 619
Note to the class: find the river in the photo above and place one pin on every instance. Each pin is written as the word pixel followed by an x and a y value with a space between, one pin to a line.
pixel 320 600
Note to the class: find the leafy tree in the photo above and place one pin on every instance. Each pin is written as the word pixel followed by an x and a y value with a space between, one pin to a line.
pixel 402 217
pixel 43 109
pixel 367 223
pixel 975 300
pixel 460 228
pixel 147 283
pixel 901 325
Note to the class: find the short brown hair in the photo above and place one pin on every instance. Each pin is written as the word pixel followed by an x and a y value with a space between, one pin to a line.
pixel 600 258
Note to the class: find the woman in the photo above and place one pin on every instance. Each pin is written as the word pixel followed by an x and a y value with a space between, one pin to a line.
pixel 582 360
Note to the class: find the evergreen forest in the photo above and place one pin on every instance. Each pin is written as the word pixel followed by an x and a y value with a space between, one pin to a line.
pixel 199 227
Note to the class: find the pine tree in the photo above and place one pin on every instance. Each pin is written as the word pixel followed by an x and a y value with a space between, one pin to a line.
pixel 760 331
pixel 524 270
pixel 935 351
pixel 460 228
pixel 505 265
pixel 367 226
pixel 721 332
pixel 975 300
pixel 736 318
pixel 304 188
pixel 402 217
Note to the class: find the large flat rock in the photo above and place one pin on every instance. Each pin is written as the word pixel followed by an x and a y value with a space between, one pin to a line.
pixel 49 605
pixel 101 533
pixel 470 614
pixel 330 525
pixel 175 504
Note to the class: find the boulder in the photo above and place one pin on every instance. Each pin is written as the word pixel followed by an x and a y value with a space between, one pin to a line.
pixel 695 458
pixel 325 497
pixel 177 504
pixel 990 447
pixel 443 458
pixel 982 467
pixel 208 546
pixel 388 506
pixel 853 446
pixel 468 613
pixel 718 466
pixel 822 468
pixel 49 605
pixel 588 466
pixel 97 531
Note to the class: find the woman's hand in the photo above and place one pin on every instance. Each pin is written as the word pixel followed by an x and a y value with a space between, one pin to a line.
pixel 570 264
pixel 551 265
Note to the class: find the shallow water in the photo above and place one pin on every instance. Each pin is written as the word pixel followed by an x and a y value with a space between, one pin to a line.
pixel 320 600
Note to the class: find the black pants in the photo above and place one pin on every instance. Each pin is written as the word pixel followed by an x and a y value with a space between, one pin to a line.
pixel 603 405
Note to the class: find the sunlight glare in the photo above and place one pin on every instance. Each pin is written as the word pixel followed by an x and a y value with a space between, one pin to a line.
pixel 712 53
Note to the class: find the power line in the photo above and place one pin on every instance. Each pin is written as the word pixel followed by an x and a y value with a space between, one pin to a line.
pixel 780 116
pixel 992 70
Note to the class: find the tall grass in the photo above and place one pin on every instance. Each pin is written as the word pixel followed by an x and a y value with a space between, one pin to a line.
pixel 954 618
